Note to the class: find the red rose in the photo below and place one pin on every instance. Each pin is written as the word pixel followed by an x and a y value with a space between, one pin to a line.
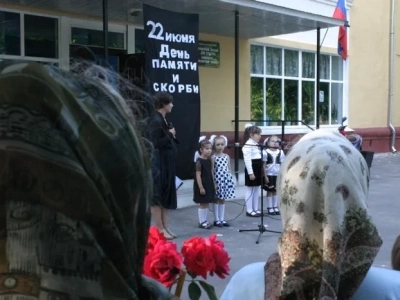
pixel 198 257
pixel 154 237
pixel 221 258
pixel 163 263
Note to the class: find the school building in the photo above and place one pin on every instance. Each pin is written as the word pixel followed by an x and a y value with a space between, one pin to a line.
pixel 277 57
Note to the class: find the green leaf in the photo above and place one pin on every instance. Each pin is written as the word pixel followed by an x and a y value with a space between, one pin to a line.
pixel 194 291
pixel 210 290
pixel 192 275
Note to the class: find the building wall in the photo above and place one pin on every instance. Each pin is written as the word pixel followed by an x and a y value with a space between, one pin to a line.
pixel 217 86
pixel 369 64
pixel 367 88
pixel 369 74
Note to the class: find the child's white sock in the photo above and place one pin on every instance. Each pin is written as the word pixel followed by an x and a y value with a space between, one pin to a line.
pixel 200 212
pixel 221 212
pixel 216 212
pixel 256 195
pixel 249 199
pixel 269 200
pixel 202 215
pixel 205 213
pixel 275 201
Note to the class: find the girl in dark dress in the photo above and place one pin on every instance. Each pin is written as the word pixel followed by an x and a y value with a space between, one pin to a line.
pixel 163 138
pixel 204 186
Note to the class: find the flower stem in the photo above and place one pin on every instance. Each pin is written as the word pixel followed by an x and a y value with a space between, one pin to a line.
pixel 179 285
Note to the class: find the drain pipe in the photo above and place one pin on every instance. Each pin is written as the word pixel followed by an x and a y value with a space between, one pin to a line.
pixel 391 76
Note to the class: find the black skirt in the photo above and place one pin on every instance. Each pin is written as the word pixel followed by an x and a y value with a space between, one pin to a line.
pixel 164 192
pixel 258 172
pixel 271 185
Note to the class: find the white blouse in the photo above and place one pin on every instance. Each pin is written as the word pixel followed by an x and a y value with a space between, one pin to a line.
pixel 250 151
pixel 274 168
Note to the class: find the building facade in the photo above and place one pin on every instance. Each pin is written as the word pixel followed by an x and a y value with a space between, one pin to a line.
pixel 277 74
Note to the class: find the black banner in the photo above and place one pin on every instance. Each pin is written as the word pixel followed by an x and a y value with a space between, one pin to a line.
pixel 171 60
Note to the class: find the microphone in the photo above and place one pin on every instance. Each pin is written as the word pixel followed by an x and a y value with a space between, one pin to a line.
pixel 171 126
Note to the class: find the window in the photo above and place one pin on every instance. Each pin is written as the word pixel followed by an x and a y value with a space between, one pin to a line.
pixel 91 37
pixel 139 41
pixel 29 37
pixel 41 36
pixel 10 33
pixel 283 86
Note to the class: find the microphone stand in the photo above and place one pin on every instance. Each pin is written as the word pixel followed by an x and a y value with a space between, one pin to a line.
pixel 261 228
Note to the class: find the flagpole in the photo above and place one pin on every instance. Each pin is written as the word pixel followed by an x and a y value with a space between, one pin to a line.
pixel 318 75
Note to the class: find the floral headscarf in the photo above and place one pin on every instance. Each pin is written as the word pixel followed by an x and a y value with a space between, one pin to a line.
pixel 74 192
pixel 329 241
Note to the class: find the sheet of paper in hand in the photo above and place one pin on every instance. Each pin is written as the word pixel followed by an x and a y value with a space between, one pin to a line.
pixel 178 182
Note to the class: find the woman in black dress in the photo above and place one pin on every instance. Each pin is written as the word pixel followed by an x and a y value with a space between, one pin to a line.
pixel 163 138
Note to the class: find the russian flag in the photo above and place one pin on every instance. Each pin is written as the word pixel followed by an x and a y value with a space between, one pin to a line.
pixel 340 13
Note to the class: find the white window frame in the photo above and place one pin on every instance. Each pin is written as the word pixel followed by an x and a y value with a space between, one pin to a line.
pixel 22 32
pixel 298 129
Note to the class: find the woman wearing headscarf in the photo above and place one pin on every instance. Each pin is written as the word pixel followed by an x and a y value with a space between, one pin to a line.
pixel 74 192
pixel 329 240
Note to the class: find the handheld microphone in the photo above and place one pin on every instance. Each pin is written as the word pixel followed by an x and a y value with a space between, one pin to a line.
pixel 170 126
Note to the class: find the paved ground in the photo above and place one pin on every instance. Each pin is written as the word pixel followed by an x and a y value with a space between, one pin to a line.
pixel 383 203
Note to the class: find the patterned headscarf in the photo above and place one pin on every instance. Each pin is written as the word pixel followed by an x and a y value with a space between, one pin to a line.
pixel 329 241
pixel 74 192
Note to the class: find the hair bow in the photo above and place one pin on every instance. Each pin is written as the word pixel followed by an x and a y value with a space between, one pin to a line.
pixel 212 138
pixel 197 154
pixel 248 125
pixel 202 138
pixel 225 140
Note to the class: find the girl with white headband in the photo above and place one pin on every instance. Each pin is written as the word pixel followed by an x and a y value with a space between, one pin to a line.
pixel 197 154
pixel 223 179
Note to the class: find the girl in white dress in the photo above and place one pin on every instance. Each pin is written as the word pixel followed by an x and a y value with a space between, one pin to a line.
pixel 223 179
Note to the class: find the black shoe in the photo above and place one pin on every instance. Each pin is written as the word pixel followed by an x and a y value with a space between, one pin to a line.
pixel 252 214
pixel 225 224
pixel 218 224
pixel 271 211
pixel 276 211
pixel 205 225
